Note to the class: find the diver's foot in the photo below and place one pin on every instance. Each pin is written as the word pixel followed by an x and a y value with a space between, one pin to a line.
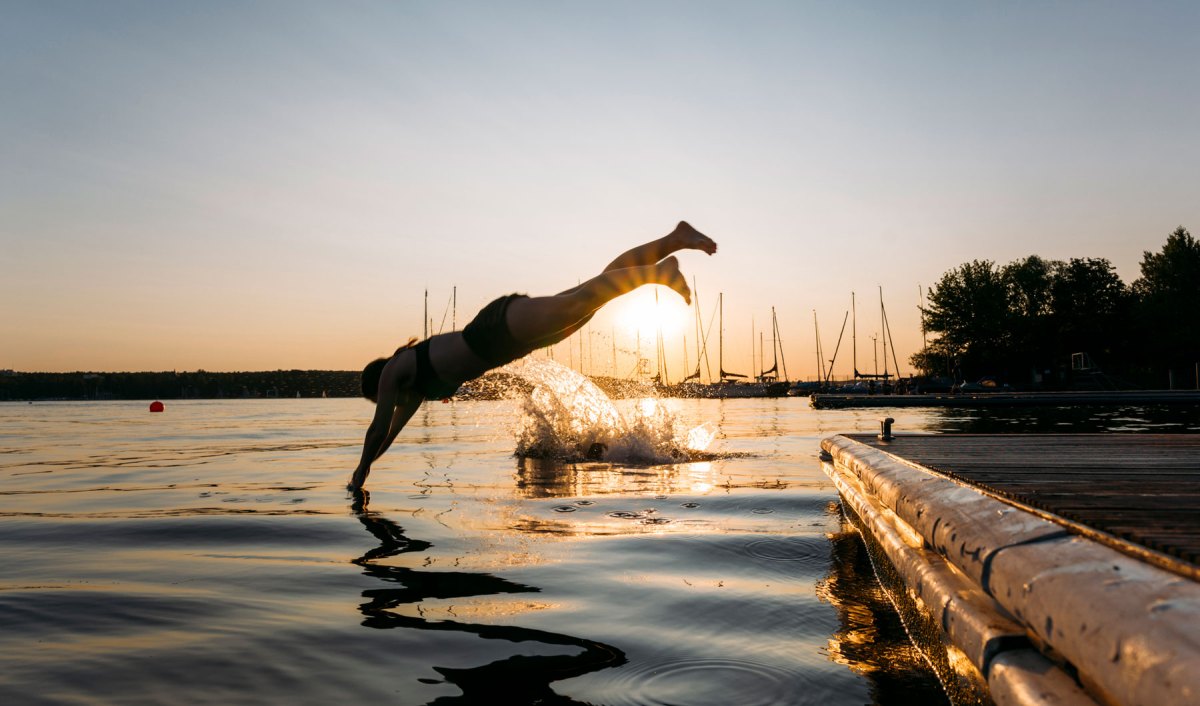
pixel 669 274
pixel 686 237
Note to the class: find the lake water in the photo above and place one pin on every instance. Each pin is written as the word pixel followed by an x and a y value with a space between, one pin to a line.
pixel 210 555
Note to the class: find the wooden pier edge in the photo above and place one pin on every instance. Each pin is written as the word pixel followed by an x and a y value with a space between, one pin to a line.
pixel 1020 582
pixel 834 400
pixel 1000 652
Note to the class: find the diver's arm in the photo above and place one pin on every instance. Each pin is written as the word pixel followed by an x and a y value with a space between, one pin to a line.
pixel 375 441
pixel 392 384
pixel 400 417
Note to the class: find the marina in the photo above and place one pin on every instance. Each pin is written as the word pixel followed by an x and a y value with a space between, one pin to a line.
pixel 1007 399
pixel 1050 568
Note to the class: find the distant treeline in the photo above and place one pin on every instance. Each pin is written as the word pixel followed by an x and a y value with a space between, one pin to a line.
pixel 174 385
pixel 1050 323
pixel 250 385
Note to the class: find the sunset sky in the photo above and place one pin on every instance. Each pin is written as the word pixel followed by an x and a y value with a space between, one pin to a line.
pixel 249 186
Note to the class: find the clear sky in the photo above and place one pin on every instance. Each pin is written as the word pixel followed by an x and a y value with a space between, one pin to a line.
pixel 247 186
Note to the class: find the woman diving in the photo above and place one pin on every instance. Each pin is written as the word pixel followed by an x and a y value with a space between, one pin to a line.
pixel 508 328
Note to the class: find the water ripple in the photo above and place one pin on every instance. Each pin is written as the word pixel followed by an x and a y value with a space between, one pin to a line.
pixel 798 549
pixel 704 681
pixel 626 515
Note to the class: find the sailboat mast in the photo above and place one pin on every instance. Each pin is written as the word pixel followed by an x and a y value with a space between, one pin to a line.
pixel 685 358
pixel 721 334
pixel 454 309
pixel 887 327
pixel 426 316
pixel 660 362
pixel 614 342
pixel 820 358
pixel 779 337
pixel 699 332
pixel 883 329
pixel 854 334
pixel 837 347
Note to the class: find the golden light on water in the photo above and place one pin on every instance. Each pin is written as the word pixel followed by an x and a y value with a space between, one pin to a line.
pixel 700 477
pixel 700 437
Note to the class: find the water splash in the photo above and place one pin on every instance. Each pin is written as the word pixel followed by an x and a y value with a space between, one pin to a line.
pixel 566 417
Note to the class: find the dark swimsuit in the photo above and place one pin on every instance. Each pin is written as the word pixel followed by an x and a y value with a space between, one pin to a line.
pixel 426 380
pixel 487 336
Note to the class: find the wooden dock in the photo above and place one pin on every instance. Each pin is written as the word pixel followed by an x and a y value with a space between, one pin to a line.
pixel 1063 566
pixel 823 400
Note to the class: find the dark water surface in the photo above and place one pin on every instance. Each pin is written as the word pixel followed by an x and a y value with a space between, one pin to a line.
pixel 210 555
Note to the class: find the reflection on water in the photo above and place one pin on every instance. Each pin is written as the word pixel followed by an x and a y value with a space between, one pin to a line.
pixel 545 478
pixel 521 678
pixel 871 638
pixel 208 555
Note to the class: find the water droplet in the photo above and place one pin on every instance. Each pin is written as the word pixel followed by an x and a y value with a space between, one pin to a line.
pixel 623 515
pixel 689 505
pixel 565 508
pixel 762 511
pixel 584 503
pixel 655 521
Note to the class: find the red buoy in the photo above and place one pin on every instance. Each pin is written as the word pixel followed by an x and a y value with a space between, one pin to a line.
pixel 156 406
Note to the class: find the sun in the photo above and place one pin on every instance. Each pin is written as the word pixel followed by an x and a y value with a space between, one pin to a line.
pixel 639 314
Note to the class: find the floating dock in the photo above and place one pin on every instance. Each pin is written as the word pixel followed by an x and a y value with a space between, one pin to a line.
pixel 824 400
pixel 1053 568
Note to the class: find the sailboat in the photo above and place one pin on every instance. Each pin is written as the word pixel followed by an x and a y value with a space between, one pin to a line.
pixel 885 338
pixel 765 384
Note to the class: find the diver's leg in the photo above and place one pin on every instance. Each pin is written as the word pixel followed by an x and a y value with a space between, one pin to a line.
pixel 682 238
pixel 547 320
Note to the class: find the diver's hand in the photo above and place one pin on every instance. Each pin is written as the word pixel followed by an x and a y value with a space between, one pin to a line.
pixel 358 479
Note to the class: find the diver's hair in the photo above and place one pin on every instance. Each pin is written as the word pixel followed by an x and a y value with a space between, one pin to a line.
pixel 373 371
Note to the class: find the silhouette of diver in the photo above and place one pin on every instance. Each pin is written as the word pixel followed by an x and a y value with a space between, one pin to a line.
pixel 508 328
pixel 518 679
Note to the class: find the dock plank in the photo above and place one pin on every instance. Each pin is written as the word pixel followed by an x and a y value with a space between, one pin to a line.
pixel 1137 488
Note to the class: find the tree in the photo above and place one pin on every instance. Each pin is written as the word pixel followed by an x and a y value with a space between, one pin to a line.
pixel 1168 303
pixel 1090 306
pixel 968 309
pixel 1030 313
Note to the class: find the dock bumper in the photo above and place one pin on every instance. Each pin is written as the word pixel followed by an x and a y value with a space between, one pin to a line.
pixel 1026 602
